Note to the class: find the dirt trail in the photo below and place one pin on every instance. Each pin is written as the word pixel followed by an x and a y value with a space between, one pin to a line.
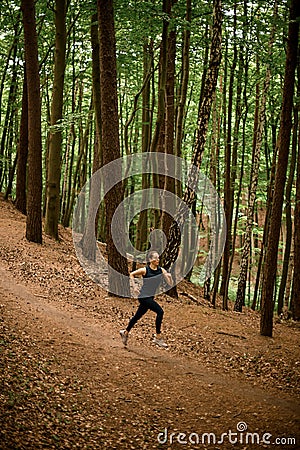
pixel 67 382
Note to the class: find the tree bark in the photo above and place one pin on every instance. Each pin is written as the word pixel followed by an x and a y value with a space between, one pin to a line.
pixel 34 192
pixel 240 296
pixel 142 225
pixel 264 243
pixel 20 202
pixel 168 184
pixel 295 297
pixel 88 241
pixel 68 177
pixel 174 237
pixel 110 141
pixel 230 177
pixel 288 214
pixel 283 141
pixel 54 160
pixel 158 138
pixel 184 81
pixel 6 126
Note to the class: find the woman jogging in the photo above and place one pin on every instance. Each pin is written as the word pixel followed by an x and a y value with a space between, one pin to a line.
pixel 152 277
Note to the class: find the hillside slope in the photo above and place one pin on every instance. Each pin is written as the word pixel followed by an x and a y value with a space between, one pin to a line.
pixel 67 382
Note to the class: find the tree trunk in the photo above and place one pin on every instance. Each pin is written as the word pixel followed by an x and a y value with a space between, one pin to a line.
pixel 88 241
pixel 240 296
pixel 295 297
pixel 230 177
pixel 6 126
pixel 238 116
pixel 174 237
pixel 12 49
pixel 54 161
pixel 110 143
pixel 34 193
pixel 169 182
pixel 289 279
pixel 158 138
pixel 142 225
pixel 68 178
pixel 226 176
pixel 11 175
pixel 267 300
pixel 20 202
pixel 184 81
pixel 288 214
pixel 162 80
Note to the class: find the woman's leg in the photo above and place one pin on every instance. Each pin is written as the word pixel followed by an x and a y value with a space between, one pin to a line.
pixel 142 309
pixel 155 307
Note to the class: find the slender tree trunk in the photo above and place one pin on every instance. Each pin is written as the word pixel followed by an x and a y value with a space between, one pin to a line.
pixel 6 125
pixel 88 241
pixel 71 143
pixel 158 139
pixel 20 202
pixel 226 176
pixel 240 296
pixel 267 300
pixel 110 142
pixel 235 145
pixel 54 161
pixel 168 183
pixel 98 156
pixel 289 279
pixel 264 243
pixel 295 296
pixel 214 176
pixel 34 193
pixel 172 248
pixel 12 49
pixel 288 214
pixel 213 179
pixel 162 80
pixel 230 176
pixel 142 225
pixel 184 81
pixel 11 178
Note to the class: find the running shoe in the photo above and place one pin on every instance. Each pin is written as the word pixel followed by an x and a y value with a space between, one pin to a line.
pixel 160 342
pixel 124 337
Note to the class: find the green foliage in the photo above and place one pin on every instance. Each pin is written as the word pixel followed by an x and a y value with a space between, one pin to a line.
pixel 137 22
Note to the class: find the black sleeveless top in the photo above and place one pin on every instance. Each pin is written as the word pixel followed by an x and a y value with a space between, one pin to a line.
pixel 151 281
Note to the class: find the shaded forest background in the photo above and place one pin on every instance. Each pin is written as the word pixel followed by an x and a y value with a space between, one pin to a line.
pixel 61 121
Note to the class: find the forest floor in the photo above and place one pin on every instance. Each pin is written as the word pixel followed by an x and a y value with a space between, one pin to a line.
pixel 67 382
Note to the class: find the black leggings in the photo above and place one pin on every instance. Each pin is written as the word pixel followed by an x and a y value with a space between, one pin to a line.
pixel 146 304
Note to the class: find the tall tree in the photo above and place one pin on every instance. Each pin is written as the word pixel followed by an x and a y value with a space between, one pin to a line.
pixel 142 225
pixel 20 202
pixel 88 241
pixel 288 213
pixel 166 141
pixel 283 143
pixel 34 186
pixel 295 297
pixel 257 143
pixel 110 141
pixel 54 158
pixel 7 121
pixel 174 237
pixel 186 38
pixel 230 172
pixel 242 70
